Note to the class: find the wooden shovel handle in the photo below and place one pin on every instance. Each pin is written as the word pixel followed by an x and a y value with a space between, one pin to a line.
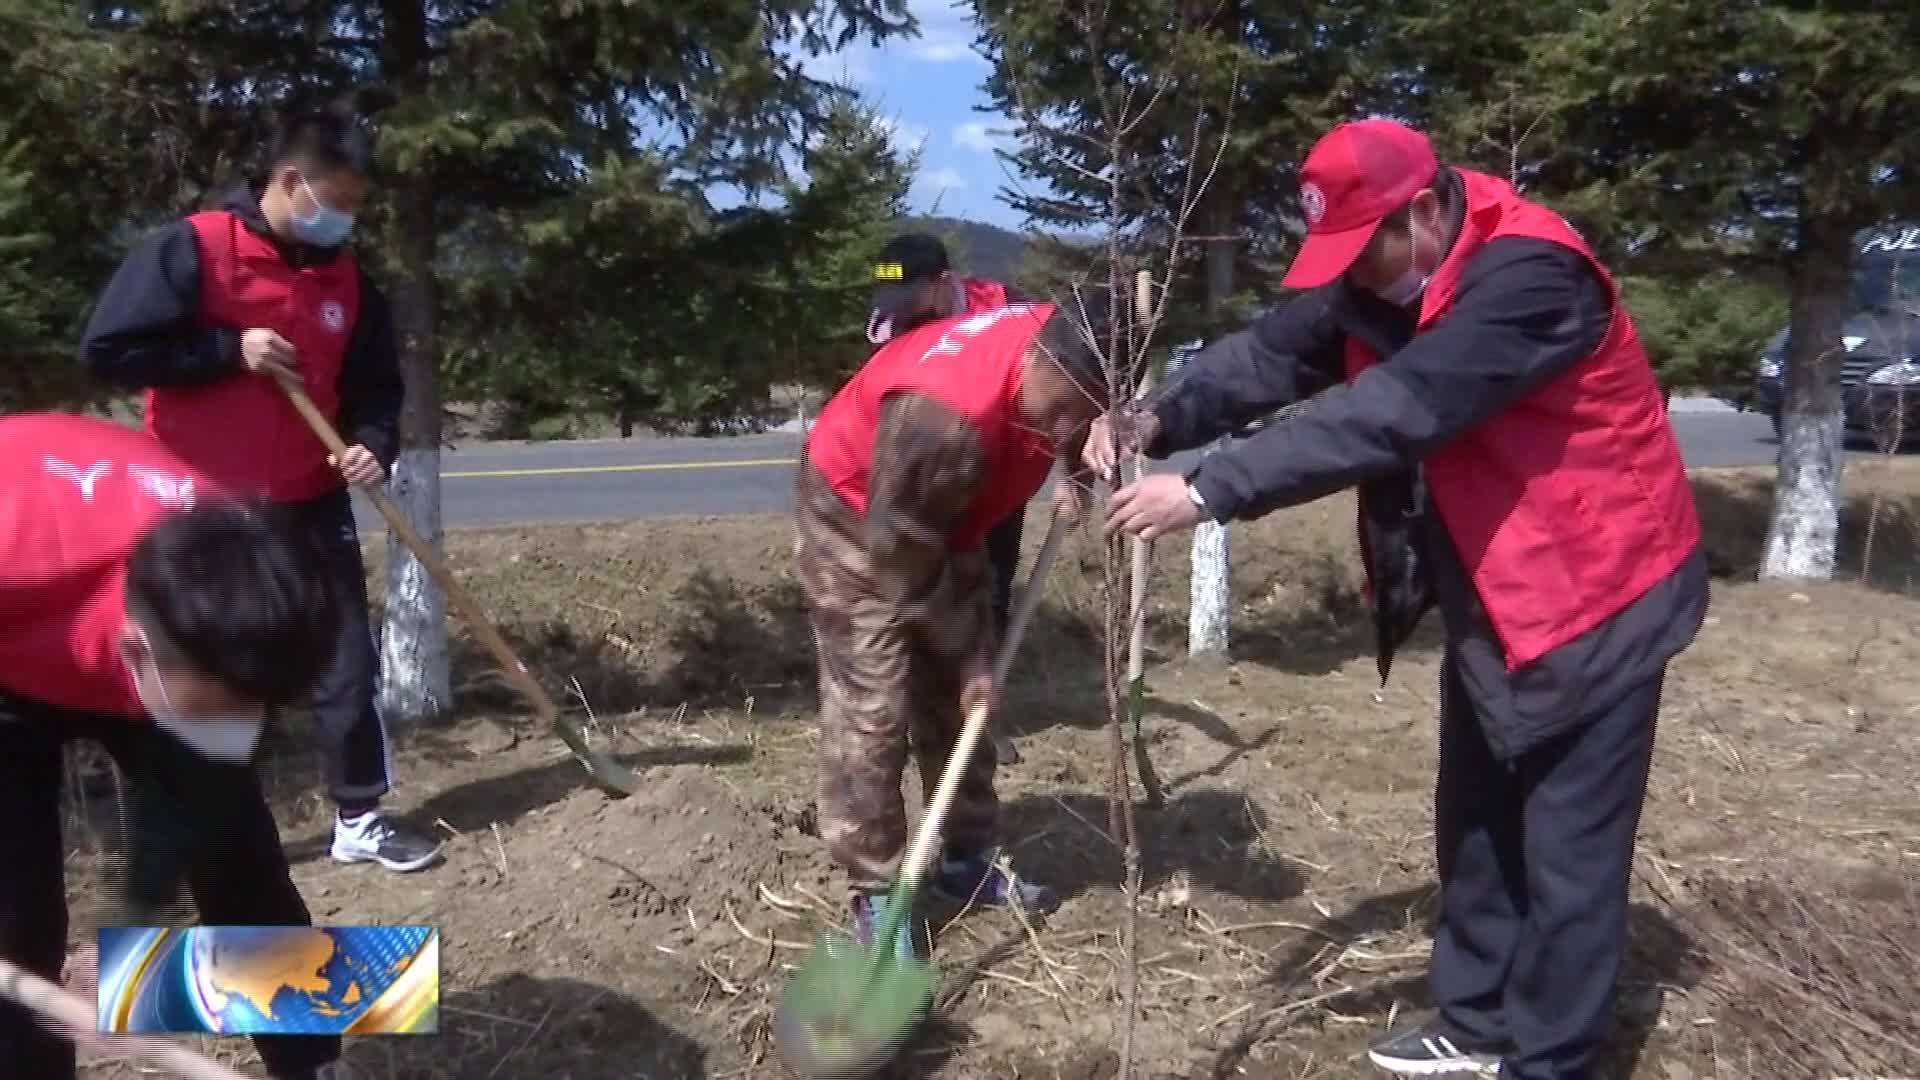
pixel 921 853
pixel 67 1009
pixel 470 611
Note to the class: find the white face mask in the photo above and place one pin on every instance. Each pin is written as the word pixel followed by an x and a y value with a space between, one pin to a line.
pixel 229 738
pixel 1407 289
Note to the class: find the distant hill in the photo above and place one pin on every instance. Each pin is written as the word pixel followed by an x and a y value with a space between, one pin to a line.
pixel 977 249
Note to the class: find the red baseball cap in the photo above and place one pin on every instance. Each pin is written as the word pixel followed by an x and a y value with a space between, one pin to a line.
pixel 1357 174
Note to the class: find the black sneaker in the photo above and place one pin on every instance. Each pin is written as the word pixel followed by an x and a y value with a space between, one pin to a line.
pixel 978 878
pixel 370 837
pixel 1429 1052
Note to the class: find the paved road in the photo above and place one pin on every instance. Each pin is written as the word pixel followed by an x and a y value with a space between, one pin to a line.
pixel 511 483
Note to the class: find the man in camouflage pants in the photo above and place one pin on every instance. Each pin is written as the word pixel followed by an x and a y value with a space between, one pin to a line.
pixel 908 468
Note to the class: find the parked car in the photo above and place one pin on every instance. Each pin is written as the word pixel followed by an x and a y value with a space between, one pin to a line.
pixel 1880 376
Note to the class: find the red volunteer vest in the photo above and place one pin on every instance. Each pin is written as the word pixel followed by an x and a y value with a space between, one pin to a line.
pixel 972 365
pixel 76 495
pixel 241 430
pixel 1573 502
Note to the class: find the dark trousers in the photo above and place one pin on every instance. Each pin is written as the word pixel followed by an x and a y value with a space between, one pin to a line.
pixel 1535 858
pixel 1003 554
pixel 353 741
pixel 190 820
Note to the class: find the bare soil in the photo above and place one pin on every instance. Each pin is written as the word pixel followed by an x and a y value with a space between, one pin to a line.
pixel 1288 881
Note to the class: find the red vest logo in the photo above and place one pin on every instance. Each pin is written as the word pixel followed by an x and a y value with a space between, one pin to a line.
pixel 84 479
pixel 971 326
pixel 171 490
pixel 334 316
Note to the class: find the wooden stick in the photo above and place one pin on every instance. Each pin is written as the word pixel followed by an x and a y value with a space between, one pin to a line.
pixel 920 853
pixel 69 1010
pixel 1137 626
pixel 603 768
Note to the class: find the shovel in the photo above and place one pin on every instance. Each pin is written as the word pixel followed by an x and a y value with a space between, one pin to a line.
pixel 614 777
pixel 849 1009
pixel 78 1020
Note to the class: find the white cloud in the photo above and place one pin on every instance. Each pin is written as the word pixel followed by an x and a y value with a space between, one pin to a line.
pixel 848 67
pixel 946 32
pixel 943 180
pixel 906 137
pixel 977 135
pixel 943 49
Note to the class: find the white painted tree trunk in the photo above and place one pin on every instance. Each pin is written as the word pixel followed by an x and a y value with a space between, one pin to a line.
pixel 416 676
pixel 1209 599
pixel 416 682
pixel 1803 536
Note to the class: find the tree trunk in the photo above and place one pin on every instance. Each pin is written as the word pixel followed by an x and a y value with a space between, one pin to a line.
pixel 1210 598
pixel 1803 537
pixel 1210 601
pixel 416 682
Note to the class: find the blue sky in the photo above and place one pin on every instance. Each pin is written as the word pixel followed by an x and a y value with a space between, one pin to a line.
pixel 928 88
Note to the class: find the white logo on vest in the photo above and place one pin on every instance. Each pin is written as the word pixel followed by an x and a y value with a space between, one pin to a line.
pixel 334 315
pixel 171 491
pixel 1313 203
pixel 84 479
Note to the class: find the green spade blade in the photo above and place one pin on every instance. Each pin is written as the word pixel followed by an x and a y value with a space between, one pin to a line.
pixel 847 1011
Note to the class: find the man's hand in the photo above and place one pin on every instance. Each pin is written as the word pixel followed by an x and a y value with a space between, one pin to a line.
pixel 1069 505
pixel 977 688
pixel 359 466
pixel 1152 507
pixel 265 352
pixel 1135 428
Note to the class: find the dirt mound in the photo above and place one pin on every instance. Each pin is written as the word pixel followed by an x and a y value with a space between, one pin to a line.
pixel 671 866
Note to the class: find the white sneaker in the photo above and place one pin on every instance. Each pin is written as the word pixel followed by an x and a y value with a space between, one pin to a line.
pixel 372 838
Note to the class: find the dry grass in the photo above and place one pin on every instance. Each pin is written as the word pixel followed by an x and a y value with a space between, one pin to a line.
pixel 1287 888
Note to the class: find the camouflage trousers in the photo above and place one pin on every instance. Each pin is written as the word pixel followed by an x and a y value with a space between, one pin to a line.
pixel 890 681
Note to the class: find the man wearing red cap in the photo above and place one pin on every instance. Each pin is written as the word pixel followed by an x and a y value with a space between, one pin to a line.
pixel 1464 361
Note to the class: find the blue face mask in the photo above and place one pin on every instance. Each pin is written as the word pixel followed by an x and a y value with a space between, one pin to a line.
pixel 325 227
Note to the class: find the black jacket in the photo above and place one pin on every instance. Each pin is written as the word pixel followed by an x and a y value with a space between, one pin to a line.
pixel 1525 311
pixel 145 331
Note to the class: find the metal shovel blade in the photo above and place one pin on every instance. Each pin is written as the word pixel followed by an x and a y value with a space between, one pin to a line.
pixel 847 1012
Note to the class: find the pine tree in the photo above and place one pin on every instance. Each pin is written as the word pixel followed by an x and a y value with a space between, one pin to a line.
pixel 486 108
pixel 1782 127
pixel 69 177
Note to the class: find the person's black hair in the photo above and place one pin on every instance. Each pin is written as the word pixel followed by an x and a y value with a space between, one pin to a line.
pixel 322 141
pixel 238 593
pixel 1065 341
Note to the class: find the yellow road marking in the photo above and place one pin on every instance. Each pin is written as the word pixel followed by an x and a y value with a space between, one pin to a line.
pixel 658 466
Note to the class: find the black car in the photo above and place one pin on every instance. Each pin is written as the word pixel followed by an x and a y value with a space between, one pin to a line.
pixel 1880 376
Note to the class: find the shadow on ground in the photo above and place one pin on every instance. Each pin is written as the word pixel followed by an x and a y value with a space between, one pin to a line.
pixel 1661 957
pixel 520 1026
pixel 500 800
pixel 1210 835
